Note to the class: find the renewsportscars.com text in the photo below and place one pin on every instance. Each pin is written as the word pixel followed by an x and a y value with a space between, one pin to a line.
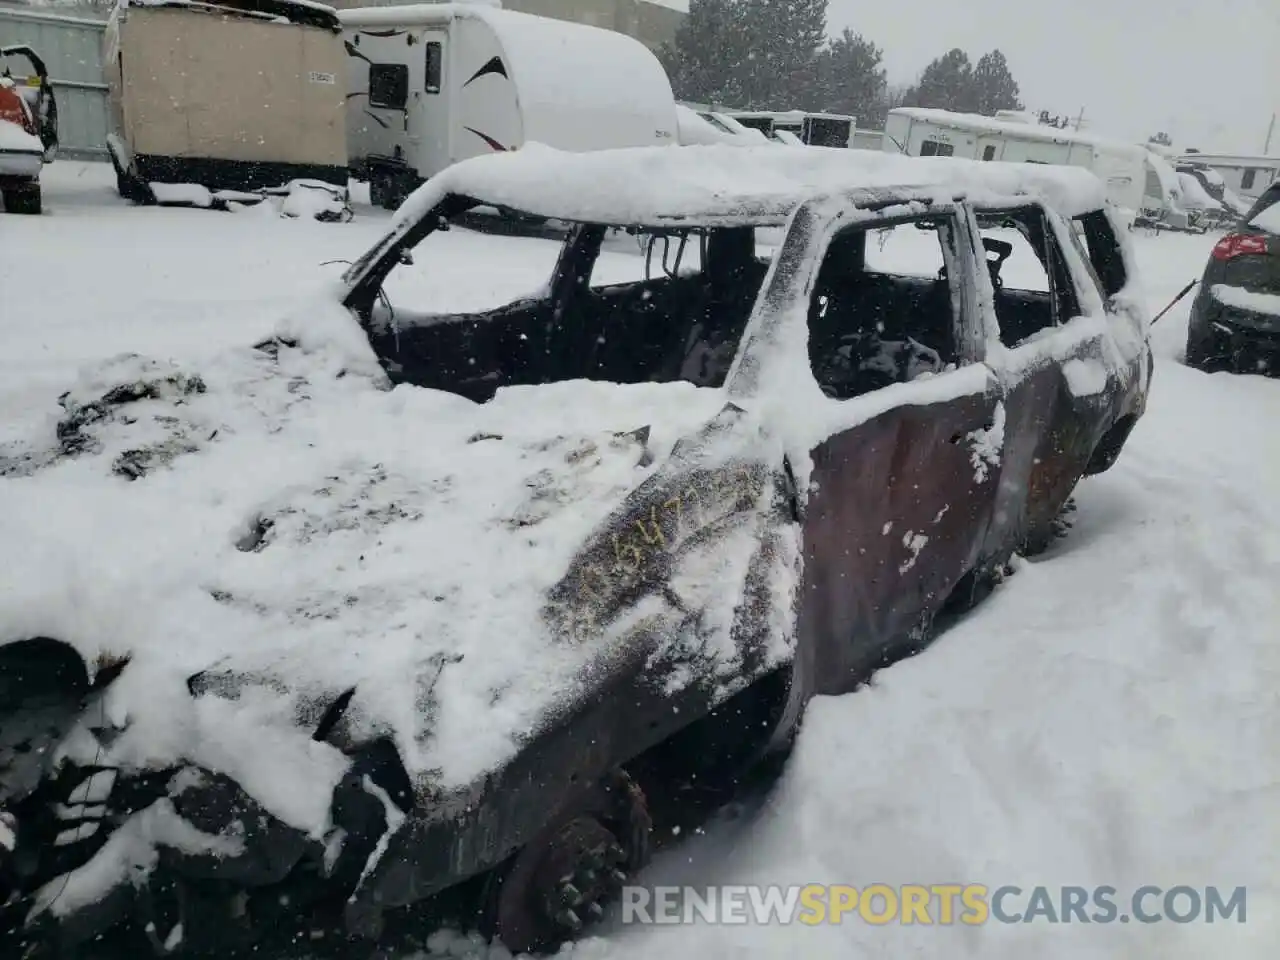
pixel 930 904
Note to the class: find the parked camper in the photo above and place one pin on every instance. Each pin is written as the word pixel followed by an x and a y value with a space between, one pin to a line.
pixel 436 83
pixel 238 95
pixel 1247 176
pixel 798 127
pixel 923 133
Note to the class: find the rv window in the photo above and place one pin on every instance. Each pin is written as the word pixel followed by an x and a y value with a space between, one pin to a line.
pixel 933 148
pixel 435 66
pixel 388 85
pixel 873 323
pixel 1246 180
pixel 989 153
pixel 1031 283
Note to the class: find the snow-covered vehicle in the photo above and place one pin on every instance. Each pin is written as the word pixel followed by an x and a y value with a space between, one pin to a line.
pixel 1235 317
pixel 400 606
pixel 28 127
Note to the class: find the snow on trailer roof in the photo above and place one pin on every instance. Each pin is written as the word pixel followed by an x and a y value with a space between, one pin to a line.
pixel 1012 128
pixel 1229 160
pixel 302 12
pixel 653 186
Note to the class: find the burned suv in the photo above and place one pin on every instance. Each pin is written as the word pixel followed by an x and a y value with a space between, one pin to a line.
pixel 409 608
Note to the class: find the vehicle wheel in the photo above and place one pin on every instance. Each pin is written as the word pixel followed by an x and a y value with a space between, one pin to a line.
pixel 23 198
pixel 562 879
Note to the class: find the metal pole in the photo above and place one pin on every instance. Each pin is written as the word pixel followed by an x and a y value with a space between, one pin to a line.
pixel 1266 149
pixel 1079 118
pixel 1185 290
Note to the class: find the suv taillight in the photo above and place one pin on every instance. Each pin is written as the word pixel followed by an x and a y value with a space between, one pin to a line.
pixel 1239 245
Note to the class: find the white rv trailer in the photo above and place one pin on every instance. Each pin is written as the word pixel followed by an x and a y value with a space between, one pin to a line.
pixel 436 83
pixel 1247 176
pixel 796 126
pixel 922 132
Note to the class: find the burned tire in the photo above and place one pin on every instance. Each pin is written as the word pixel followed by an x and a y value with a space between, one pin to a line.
pixel 561 880
pixel 23 198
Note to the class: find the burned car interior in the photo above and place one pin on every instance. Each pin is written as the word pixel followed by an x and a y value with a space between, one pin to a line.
pixel 685 318
pixel 869 329
pixel 677 323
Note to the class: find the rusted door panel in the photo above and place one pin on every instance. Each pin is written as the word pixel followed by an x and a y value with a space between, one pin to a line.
pixel 897 514
pixel 1050 435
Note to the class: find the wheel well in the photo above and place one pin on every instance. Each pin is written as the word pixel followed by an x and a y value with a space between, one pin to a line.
pixel 1109 447
pixel 699 766
pixel 40 668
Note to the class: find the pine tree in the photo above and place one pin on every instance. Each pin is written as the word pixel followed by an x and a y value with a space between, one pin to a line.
pixel 994 86
pixel 748 54
pixel 851 79
pixel 946 84
pixel 709 46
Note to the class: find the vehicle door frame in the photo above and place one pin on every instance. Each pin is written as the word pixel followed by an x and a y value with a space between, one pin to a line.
pixel 1050 431
pixel 852 621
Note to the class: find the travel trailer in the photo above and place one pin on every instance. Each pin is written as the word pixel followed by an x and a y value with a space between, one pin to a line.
pixel 230 95
pixel 798 127
pixel 432 84
pixel 923 133
pixel 1247 176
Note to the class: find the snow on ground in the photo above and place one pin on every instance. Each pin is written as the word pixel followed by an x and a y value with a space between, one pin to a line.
pixel 1110 716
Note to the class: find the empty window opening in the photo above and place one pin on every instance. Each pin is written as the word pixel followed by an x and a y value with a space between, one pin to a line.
pixel 1103 250
pixel 882 307
pixel 989 152
pixel 1031 284
pixel 606 305
pixel 935 148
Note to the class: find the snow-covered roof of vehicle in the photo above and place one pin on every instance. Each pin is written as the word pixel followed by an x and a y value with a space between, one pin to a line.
pixel 1012 128
pixel 1194 196
pixel 656 186
pixel 718 184
pixel 694 128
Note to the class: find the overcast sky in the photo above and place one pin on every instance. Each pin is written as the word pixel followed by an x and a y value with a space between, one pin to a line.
pixel 1205 71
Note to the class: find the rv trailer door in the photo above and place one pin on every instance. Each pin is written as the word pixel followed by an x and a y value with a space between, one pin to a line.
pixel 429 99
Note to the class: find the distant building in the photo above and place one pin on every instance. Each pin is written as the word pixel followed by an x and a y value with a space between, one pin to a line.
pixel 652 22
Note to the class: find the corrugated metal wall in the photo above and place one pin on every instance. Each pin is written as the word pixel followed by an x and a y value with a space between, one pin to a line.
pixel 72 50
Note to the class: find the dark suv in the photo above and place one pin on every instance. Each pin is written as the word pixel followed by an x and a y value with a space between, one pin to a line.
pixel 1235 318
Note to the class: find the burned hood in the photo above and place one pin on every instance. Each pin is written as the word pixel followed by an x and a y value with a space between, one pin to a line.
pixel 282 527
